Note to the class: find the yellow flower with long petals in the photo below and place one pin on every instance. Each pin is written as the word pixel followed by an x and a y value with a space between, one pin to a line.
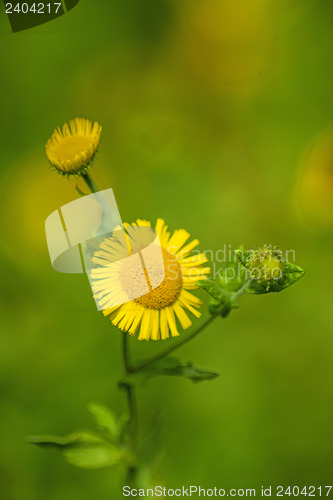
pixel 72 150
pixel 155 314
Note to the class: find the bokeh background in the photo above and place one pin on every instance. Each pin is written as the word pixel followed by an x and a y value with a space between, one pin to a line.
pixel 217 116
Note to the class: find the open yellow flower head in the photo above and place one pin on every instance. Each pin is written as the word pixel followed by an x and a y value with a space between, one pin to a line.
pixel 72 149
pixel 159 313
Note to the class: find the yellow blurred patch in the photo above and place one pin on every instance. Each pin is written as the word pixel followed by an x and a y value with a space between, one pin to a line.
pixel 315 185
pixel 230 42
pixel 29 194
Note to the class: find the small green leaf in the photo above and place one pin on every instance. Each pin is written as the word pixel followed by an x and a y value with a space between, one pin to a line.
pixel 222 301
pixel 94 456
pixel 106 420
pixel 291 274
pixel 84 449
pixel 219 294
pixel 171 367
pixel 215 291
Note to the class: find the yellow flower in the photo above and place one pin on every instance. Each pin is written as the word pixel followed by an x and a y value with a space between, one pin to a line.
pixel 156 312
pixel 72 149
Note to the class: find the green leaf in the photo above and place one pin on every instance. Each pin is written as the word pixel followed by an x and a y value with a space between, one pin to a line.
pixel 106 420
pixel 218 293
pixel 215 291
pixel 171 367
pixel 291 274
pixel 94 456
pixel 84 449
pixel 222 299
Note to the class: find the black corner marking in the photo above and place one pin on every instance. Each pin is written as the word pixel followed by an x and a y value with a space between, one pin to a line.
pixel 70 4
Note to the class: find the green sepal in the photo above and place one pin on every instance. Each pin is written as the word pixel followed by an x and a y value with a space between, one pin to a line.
pixel 242 255
pixel 168 366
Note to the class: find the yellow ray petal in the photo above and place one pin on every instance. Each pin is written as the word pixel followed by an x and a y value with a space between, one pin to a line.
pixel 194 260
pixel 187 248
pixel 143 222
pixel 164 324
pixel 145 325
pixel 155 331
pixel 182 316
pixel 137 320
pixel 177 240
pixel 171 321
pixel 190 298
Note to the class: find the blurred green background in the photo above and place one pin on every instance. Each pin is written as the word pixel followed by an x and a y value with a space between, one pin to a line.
pixel 216 116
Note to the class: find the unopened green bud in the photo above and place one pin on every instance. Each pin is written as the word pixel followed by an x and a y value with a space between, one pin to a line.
pixel 266 265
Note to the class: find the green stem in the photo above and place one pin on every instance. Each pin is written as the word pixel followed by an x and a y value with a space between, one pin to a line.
pixel 132 409
pixel 242 290
pixel 90 182
pixel 166 352
pixel 130 391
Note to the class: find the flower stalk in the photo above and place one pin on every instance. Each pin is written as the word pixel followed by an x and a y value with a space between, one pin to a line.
pixel 130 391
pixel 90 182
pixel 133 412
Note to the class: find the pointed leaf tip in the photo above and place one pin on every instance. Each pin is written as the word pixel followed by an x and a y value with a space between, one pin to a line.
pixel 168 366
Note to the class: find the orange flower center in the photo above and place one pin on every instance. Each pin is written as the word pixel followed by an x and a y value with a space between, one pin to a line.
pixel 168 291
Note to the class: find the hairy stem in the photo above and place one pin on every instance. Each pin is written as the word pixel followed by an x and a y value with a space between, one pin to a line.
pixel 166 352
